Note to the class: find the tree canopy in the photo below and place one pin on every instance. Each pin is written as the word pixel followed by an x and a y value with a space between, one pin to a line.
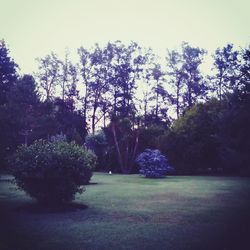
pixel 126 100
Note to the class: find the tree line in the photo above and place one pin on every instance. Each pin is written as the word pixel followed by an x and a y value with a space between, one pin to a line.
pixel 120 99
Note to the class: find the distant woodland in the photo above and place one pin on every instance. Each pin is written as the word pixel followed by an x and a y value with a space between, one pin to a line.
pixel 119 100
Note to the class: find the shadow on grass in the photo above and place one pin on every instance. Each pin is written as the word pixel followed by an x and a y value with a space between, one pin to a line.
pixel 39 208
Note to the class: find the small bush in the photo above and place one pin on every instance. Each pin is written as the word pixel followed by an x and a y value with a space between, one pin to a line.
pixel 153 164
pixel 52 172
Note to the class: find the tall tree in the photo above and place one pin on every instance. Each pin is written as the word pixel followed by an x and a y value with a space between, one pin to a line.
pixel 68 78
pixel 95 68
pixel 8 74
pixel 159 94
pixel 244 69
pixel 23 103
pixel 87 75
pixel 226 64
pixel 8 128
pixel 101 60
pixel 185 77
pixel 195 87
pixel 127 66
pixel 144 87
pixel 177 78
pixel 48 75
pixel 18 115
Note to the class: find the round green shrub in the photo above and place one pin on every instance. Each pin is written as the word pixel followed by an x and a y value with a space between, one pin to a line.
pixel 52 172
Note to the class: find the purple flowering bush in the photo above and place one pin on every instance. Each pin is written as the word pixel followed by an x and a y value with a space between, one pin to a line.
pixel 153 164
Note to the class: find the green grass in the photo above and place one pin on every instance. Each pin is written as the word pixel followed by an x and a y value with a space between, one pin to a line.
pixel 131 212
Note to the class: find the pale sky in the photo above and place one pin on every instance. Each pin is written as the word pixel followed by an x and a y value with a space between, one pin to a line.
pixel 33 28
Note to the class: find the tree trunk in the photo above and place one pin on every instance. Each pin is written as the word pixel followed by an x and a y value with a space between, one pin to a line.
pixel 126 159
pixel 145 108
pixel 85 107
pixel 134 151
pixel 104 119
pixel 177 100
pixel 63 90
pixel 93 118
pixel 157 106
pixel 117 146
pixel 189 95
pixel 220 89
pixel 115 102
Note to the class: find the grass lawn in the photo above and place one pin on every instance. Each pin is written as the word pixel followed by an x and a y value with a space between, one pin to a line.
pixel 131 212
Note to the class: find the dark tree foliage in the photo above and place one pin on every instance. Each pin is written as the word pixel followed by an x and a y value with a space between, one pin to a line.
pixel 213 136
pixel 18 114
pixel 149 137
pixel 99 145
pixel 109 77
pixel 70 121
pixel 57 75
pixel 122 141
pixel 46 124
pixel 185 77
pixel 23 101
pixel 16 100
pixel 48 76
pixel 177 78
pixel 8 133
pixel 226 64
pixel 8 127
pixel 68 78
pixel 126 91
pixel 159 94
pixel 244 78
pixel 191 143
pixel 195 88
pixel 8 74
pixel 234 134
pixel 87 76
pixel 59 117
pixel 127 67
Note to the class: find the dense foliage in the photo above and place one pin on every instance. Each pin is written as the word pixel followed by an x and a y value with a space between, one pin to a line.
pixel 192 143
pixel 8 74
pixel 122 144
pixel 153 164
pixel 52 172
pixel 98 144
pixel 213 137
